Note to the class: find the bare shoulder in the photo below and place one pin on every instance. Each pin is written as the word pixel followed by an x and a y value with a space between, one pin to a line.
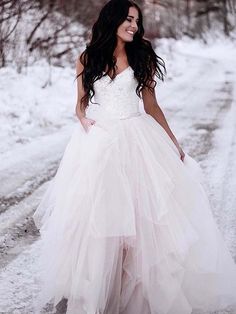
pixel 80 63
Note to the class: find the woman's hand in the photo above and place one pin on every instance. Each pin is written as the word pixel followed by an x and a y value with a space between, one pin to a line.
pixel 181 152
pixel 86 123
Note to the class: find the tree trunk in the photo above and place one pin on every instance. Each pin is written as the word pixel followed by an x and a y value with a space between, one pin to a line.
pixel 188 12
pixel 225 17
pixel 208 10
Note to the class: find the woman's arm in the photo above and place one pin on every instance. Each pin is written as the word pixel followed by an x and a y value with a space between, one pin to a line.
pixel 80 113
pixel 151 107
pixel 80 90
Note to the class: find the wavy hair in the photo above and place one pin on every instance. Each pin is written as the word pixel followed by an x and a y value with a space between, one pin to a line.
pixel 98 59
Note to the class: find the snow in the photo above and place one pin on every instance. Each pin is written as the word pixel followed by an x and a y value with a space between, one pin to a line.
pixel 205 113
pixel 34 103
pixel 36 119
pixel 37 112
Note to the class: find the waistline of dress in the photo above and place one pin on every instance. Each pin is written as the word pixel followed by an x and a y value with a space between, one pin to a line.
pixel 101 113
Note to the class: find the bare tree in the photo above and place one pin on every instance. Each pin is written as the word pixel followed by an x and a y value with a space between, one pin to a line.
pixel 191 17
pixel 10 12
pixel 56 29
pixel 50 34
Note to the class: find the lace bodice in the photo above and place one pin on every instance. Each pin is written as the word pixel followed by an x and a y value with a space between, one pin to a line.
pixel 117 98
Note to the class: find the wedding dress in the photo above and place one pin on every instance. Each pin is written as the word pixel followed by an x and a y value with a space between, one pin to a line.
pixel 126 226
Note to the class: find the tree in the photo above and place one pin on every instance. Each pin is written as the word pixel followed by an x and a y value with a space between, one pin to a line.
pixel 10 12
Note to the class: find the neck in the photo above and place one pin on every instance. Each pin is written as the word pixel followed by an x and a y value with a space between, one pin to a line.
pixel 120 48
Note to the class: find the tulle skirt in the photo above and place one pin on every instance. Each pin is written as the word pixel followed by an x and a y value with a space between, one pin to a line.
pixel 126 226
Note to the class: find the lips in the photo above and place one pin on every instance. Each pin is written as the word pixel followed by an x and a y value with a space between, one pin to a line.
pixel 130 32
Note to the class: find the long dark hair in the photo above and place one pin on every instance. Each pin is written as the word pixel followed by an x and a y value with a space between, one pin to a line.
pixel 98 55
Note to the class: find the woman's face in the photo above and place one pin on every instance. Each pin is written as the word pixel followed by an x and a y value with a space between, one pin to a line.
pixel 129 27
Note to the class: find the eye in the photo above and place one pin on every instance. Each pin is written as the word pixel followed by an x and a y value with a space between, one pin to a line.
pixel 129 19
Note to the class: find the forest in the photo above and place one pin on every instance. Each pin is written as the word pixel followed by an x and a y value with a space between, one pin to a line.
pixel 56 30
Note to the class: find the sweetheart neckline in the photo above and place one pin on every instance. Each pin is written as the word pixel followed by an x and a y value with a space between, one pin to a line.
pixel 118 73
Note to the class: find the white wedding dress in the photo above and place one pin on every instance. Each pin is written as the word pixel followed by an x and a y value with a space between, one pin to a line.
pixel 126 226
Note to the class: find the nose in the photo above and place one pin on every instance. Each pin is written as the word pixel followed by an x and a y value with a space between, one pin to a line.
pixel 134 25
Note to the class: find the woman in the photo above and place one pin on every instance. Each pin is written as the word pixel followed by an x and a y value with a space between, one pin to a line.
pixel 126 225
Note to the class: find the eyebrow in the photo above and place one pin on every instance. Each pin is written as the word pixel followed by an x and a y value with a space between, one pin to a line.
pixel 133 17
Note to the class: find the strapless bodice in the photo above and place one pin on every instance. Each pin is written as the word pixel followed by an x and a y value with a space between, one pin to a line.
pixel 117 98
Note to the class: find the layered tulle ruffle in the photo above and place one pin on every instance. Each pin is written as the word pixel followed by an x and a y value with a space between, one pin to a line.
pixel 126 226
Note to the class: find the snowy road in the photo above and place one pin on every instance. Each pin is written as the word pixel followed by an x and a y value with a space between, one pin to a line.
pixel 199 99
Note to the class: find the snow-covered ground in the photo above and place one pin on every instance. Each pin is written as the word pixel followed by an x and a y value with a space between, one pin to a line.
pixel 36 119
